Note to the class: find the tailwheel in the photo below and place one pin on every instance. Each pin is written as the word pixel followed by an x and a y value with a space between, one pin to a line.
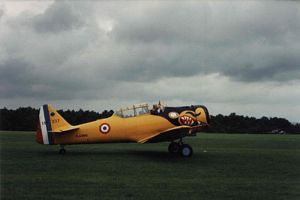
pixel 174 147
pixel 186 150
pixel 62 149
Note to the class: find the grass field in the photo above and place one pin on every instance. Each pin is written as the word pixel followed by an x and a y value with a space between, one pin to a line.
pixel 224 166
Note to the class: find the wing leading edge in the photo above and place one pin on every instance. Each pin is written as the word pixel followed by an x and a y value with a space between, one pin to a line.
pixel 173 134
pixel 167 135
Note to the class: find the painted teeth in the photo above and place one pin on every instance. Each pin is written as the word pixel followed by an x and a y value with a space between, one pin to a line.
pixel 187 120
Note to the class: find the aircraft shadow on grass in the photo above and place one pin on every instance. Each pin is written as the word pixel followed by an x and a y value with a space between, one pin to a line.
pixel 144 154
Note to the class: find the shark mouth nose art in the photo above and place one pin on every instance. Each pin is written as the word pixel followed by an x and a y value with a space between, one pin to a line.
pixel 186 120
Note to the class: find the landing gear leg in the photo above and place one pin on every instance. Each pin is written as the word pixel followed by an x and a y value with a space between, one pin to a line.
pixel 62 149
pixel 174 147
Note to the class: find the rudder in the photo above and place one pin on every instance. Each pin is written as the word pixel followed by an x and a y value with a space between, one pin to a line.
pixel 50 121
pixel 44 128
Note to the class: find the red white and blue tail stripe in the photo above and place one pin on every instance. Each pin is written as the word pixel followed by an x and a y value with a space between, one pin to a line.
pixel 43 132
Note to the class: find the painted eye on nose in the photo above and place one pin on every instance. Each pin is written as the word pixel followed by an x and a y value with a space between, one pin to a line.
pixel 193 113
pixel 173 115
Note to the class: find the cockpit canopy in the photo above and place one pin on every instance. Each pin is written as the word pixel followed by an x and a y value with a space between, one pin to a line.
pixel 133 111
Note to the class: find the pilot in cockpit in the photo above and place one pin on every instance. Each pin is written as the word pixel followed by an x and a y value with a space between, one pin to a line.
pixel 157 108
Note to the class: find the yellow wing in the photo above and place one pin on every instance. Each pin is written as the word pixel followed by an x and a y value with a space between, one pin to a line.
pixel 167 135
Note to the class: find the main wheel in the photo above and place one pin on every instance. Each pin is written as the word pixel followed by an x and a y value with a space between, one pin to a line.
pixel 62 151
pixel 186 150
pixel 174 147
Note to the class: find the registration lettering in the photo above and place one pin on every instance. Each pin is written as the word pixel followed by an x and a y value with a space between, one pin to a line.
pixel 81 135
pixel 54 121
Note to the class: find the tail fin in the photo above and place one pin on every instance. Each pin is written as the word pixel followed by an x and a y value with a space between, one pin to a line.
pixel 50 121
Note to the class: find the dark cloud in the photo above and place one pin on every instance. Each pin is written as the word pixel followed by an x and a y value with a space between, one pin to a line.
pixel 141 51
pixel 245 42
pixel 60 16
pixel 22 79
pixel 211 24
pixel 285 66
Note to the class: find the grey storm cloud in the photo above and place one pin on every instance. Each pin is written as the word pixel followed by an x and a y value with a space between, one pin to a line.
pixel 58 17
pixel 245 42
pixel 124 50
pixel 32 81
pixel 248 44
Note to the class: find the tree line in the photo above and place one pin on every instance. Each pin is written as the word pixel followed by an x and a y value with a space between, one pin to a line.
pixel 25 119
pixel 243 124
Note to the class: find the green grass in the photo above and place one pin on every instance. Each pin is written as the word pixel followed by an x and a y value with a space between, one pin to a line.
pixel 224 166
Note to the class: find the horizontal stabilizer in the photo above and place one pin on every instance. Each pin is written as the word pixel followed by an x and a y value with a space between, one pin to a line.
pixel 50 121
pixel 65 129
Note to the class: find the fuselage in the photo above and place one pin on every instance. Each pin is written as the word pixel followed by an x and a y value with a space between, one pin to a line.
pixel 121 129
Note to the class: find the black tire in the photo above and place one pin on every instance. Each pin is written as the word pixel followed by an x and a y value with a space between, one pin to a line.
pixel 62 151
pixel 174 147
pixel 186 150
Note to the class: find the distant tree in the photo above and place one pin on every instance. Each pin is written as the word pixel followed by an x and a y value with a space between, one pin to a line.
pixel 240 124
pixel 25 119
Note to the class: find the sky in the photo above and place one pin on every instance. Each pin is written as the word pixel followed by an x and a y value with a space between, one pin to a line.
pixel 232 56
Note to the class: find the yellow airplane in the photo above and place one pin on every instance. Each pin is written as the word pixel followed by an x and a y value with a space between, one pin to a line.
pixel 132 124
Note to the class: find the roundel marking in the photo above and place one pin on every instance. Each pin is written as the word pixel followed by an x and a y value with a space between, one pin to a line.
pixel 104 128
